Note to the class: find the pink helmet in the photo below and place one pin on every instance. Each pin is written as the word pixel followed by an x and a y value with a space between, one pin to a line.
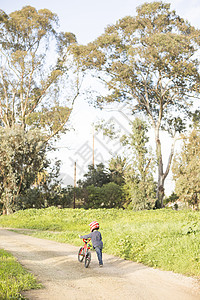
pixel 94 225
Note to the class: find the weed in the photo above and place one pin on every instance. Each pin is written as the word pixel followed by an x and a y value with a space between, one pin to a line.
pixel 14 278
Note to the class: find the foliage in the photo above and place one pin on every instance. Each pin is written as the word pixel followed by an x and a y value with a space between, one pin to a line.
pixel 117 167
pixel 47 192
pixel 22 156
pixel 13 278
pixel 134 172
pixel 97 176
pixel 165 239
pixel 139 181
pixel 149 62
pixel 172 198
pixel 140 194
pixel 93 198
pixel 99 190
pixel 126 179
pixel 30 87
pixel 27 177
pixel 186 170
pixel 110 195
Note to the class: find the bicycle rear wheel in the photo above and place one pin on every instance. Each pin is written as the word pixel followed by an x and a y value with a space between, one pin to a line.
pixel 87 259
pixel 81 254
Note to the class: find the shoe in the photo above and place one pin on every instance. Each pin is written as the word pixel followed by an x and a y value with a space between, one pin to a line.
pixel 100 266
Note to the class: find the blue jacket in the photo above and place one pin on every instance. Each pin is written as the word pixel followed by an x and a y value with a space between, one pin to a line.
pixel 95 238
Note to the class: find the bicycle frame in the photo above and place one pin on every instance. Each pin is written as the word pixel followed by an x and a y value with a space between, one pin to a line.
pixel 86 245
pixel 85 253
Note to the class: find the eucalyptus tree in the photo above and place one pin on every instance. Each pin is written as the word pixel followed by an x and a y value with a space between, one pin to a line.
pixel 149 62
pixel 38 80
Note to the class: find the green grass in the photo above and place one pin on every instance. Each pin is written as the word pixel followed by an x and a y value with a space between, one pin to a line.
pixel 164 239
pixel 14 278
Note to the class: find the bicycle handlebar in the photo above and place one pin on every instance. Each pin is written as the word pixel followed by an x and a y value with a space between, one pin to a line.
pixel 87 240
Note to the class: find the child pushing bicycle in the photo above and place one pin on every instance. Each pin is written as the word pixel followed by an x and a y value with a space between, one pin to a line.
pixel 96 239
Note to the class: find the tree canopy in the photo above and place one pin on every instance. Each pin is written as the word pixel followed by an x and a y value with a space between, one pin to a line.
pixel 34 63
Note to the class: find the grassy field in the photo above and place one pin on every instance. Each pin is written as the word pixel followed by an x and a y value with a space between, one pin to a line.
pixel 13 278
pixel 164 239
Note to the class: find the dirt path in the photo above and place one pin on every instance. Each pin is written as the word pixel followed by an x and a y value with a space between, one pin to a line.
pixel 64 278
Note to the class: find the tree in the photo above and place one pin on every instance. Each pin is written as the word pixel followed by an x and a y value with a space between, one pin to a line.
pixel 186 170
pixel 112 196
pixel 96 176
pixel 117 167
pixel 149 63
pixel 101 188
pixel 36 90
pixel 22 156
pixel 140 194
pixel 139 181
pixel 92 197
pixel 109 195
pixel 30 85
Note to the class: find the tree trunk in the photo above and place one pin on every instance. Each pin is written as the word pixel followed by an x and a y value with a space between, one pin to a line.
pixel 160 193
pixel 161 174
pixel 7 206
pixel 160 186
pixel 9 211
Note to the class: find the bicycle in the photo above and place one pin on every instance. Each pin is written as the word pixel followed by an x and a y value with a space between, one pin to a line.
pixel 84 252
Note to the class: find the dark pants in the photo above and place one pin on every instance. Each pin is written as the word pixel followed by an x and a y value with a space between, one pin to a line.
pixel 99 254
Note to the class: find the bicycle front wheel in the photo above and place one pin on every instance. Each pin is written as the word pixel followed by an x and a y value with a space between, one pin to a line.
pixel 81 254
pixel 87 259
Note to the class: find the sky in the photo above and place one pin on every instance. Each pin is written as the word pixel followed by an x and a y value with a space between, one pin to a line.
pixel 87 20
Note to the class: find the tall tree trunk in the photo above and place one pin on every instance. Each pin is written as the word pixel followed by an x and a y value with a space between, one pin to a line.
pixel 160 186
pixel 161 174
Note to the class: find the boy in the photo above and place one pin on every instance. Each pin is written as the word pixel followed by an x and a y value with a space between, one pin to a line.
pixel 96 239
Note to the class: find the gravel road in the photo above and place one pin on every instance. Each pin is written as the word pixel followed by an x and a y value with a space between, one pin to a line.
pixel 64 278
